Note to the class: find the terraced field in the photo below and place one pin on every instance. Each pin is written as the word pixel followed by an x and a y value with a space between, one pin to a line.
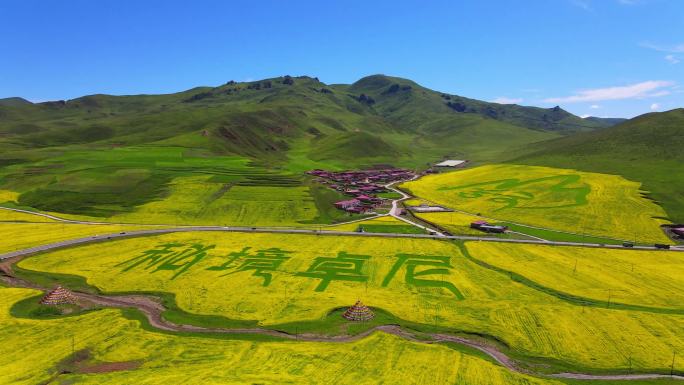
pixel 559 199
pixel 630 277
pixel 274 279
pixel 33 350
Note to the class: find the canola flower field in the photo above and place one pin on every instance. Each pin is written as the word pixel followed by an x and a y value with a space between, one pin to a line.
pixel 558 199
pixel 8 196
pixel 647 278
pixel 15 216
pixel 276 279
pixel 386 223
pixel 16 236
pixel 453 221
pixel 32 349
pixel 195 201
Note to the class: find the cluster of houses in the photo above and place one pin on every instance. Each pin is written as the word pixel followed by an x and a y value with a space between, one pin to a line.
pixel 361 186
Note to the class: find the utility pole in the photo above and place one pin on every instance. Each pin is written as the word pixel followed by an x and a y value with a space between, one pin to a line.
pixel 574 270
pixel 674 354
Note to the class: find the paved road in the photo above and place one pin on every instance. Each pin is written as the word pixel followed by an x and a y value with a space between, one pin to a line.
pixel 396 210
pixel 137 233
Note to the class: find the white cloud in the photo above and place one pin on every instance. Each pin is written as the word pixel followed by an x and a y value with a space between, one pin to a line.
pixel 664 48
pixel 655 106
pixel 594 106
pixel 651 88
pixel 584 4
pixel 505 100
pixel 672 59
pixel 585 116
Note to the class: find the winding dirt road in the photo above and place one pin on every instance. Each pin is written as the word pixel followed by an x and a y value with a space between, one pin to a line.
pixel 153 309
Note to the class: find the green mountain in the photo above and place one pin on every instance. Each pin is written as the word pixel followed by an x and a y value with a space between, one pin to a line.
pixel 647 148
pixel 266 119
pixel 15 101
pixel 103 154
pixel 405 102
pixel 605 121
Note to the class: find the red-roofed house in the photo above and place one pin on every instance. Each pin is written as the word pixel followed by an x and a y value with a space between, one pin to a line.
pixel 348 204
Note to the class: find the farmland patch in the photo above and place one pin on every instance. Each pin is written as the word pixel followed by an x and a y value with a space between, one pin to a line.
pixel 558 199
pixel 276 279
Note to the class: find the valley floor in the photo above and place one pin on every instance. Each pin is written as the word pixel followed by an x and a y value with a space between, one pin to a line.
pixel 159 302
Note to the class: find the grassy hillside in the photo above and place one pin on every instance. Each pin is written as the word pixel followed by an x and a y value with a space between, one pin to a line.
pixel 61 156
pixel 411 105
pixel 647 149
pixel 263 119
pixel 13 102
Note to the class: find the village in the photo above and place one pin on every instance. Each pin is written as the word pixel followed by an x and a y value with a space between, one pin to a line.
pixel 362 186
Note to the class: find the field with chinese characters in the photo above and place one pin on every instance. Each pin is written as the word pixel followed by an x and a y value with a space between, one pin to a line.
pixel 557 200
pixel 290 282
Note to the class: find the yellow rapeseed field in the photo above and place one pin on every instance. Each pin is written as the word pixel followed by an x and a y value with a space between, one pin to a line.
pixel 31 349
pixel 192 200
pixel 454 222
pixel 15 216
pixel 384 220
pixel 650 278
pixel 8 196
pixel 280 278
pixel 559 199
pixel 16 236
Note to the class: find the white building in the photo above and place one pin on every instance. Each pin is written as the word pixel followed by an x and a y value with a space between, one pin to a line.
pixel 451 163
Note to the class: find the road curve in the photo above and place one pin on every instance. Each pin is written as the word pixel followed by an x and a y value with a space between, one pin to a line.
pixel 153 310
pixel 396 210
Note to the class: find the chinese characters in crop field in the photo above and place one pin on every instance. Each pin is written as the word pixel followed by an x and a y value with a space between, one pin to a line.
pixel 176 257
pixel 181 258
pixel 539 193
pixel 344 267
pixel 261 261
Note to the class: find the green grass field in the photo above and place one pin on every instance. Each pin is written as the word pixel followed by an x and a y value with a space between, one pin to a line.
pixel 221 277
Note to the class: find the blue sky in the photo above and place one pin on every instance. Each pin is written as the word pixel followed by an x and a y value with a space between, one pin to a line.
pixel 593 57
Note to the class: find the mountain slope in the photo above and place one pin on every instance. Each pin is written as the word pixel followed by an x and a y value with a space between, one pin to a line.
pixel 406 102
pixel 14 102
pixel 647 148
pixel 263 119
